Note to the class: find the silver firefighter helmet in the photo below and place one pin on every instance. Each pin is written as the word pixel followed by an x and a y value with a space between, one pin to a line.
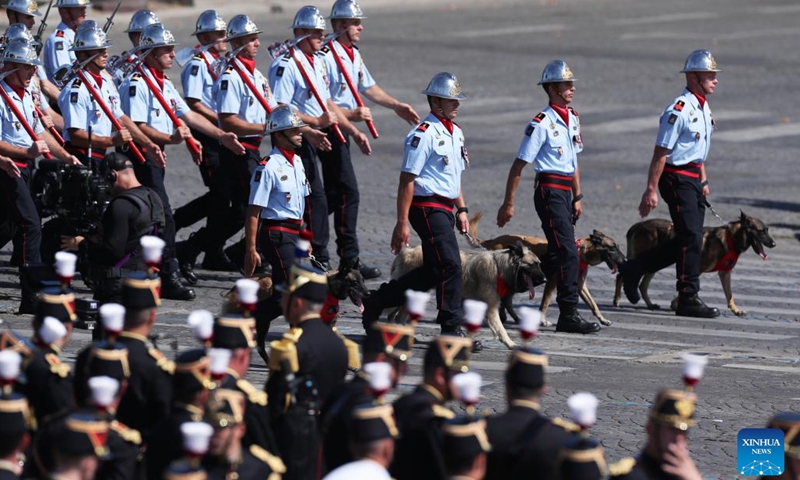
pixel 210 21
pixel 345 9
pixel 557 71
pixel 241 26
pixel 156 35
pixel 140 20
pixel 90 39
pixel 309 17
pixel 700 61
pixel 283 117
pixel 445 85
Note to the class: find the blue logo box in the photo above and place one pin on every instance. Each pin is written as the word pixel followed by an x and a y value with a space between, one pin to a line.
pixel 760 451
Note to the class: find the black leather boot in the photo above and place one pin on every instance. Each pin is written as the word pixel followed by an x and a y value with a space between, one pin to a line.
pixel 570 321
pixel 187 252
pixel 173 289
pixel 693 306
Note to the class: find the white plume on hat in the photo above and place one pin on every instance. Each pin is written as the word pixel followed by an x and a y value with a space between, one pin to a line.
pixel 219 359
pixel 112 316
pixel 152 248
pixel 380 375
pixel 583 409
pixel 104 389
pixel 65 264
pixel 530 319
pixel 416 302
pixel 247 290
pixel 10 362
pixel 196 436
pixel 202 324
pixel 474 311
pixel 694 365
pixel 51 331
pixel 468 386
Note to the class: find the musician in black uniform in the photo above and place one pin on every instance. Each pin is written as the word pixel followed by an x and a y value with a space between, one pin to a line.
pixel 523 435
pixel 371 436
pixel 191 382
pixel 666 454
pixel 14 436
pixel 78 446
pixel 228 456
pixel 149 393
pixel 307 364
pixel 385 342
pixel 465 446
pixel 235 333
pixel 581 458
pixel 421 413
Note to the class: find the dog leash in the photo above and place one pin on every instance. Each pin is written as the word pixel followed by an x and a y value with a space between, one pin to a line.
pixel 317 263
pixel 713 212
pixel 473 242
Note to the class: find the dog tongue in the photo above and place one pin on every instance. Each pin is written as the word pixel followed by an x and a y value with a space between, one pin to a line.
pixel 361 307
pixel 531 291
pixel 763 255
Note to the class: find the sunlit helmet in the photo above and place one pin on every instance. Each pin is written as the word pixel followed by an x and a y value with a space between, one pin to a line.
pixel 210 21
pixel 309 17
pixel 241 26
pixel 283 117
pixel 445 85
pixel 25 7
pixel 20 51
pixel 345 9
pixel 87 24
pixel 557 71
pixel 700 61
pixel 156 35
pixel 72 3
pixel 140 20
pixel 89 39
pixel 18 30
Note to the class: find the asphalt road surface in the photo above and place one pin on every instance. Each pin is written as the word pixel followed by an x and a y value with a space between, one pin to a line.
pixel 626 55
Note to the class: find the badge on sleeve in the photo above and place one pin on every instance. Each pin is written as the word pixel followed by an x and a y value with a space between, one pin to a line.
pixel 279 72
pixel 59 46
pixel 415 142
pixel 539 117
pixel 672 119
pixel 73 97
pixel 223 85
pixel 132 91
pixel 257 176
pixel 195 69
pixel 529 130
pixel 679 106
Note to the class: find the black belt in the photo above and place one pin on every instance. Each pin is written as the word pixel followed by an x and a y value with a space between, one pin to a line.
pixel 288 225
pixel 554 180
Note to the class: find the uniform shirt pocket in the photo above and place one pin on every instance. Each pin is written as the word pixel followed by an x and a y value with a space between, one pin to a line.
pixel 444 155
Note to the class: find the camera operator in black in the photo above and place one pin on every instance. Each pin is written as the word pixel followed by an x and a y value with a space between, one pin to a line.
pixel 134 211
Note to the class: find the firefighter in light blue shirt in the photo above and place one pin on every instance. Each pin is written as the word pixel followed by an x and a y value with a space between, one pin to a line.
pixel 552 142
pixel 278 191
pixel 678 170
pixel 290 88
pixel 57 53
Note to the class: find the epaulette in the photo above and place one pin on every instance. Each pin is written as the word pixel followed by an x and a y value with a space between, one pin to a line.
pixel 539 117
pixel 423 126
pixel 77 83
pixel 163 362
pixel 197 56
pixel 565 424
pixel 136 76
pixel 574 112
pixel 128 434
pixel 285 349
pixel 325 49
pixel 286 56
pixel 275 463
pixel 254 395
pixel 623 467
pixel 56 367
pixel 443 412
pixel 353 355
pixel 59 33
pixel 679 105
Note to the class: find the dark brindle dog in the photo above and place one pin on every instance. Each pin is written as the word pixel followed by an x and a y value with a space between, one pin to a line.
pixel 721 249
pixel 342 284
pixel 593 250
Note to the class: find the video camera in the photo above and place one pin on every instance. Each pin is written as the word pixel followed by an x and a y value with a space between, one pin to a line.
pixel 72 192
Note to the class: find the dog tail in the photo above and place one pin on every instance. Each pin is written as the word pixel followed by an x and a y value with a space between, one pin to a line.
pixel 473 239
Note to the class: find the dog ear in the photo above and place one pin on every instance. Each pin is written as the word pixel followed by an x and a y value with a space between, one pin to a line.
pixel 744 218
pixel 516 248
pixel 595 238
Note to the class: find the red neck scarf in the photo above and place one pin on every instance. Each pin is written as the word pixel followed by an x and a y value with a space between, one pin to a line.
pixel 562 112
pixel 310 59
pixel 20 91
pixel 159 76
pixel 98 78
pixel 700 98
pixel 349 50
pixel 249 64
pixel 287 154
pixel 448 124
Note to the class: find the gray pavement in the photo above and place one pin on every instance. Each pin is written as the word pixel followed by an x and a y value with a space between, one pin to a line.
pixel 626 55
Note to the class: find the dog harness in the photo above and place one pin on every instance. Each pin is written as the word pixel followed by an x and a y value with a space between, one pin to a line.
pixel 583 267
pixel 330 309
pixel 728 261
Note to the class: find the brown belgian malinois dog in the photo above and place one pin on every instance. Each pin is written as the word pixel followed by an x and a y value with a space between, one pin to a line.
pixel 593 250
pixel 721 249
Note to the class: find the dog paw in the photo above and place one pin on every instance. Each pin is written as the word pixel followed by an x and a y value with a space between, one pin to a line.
pixel 546 323
pixel 605 321
pixel 654 307
pixel 740 313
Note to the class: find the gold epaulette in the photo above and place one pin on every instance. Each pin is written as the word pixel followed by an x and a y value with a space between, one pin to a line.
pixel 128 434
pixel 275 463
pixel 285 348
pixel 443 412
pixel 565 424
pixel 56 367
pixel 353 353
pixel 197 56
pixel 623 467
pixel 163 362
pixel 77 83
pixel 136 77
pixel 254 395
